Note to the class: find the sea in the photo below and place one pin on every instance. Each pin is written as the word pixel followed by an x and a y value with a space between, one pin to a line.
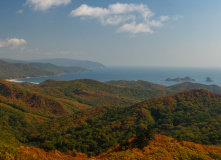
pixel 152 74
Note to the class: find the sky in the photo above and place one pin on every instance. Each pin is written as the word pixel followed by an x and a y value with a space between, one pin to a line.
pixel 163 33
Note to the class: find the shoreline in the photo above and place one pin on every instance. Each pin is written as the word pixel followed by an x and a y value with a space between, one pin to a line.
pixel 17 81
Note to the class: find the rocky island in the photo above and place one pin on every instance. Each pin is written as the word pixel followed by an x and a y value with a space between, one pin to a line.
pixel 208 79
pixel 185 79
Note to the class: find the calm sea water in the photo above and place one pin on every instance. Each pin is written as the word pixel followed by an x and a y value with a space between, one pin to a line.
pixel 155 75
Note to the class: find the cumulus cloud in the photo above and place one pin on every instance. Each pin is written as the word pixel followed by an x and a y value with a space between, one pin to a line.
pixel 43 5
pixel 133 18
pixel 13 42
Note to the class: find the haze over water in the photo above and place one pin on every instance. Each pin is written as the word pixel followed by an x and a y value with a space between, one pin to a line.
pixel 151 74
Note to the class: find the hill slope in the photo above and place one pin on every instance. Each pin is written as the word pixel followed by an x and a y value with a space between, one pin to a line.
pixel 177 87
pixel 162 147
pixel 138 84
pixel 189 115
pixel 94 93
pixel 193 114
pixel 19 70
pixel 167 148
pixel 23 70
pixel 30 102
pixel 189 86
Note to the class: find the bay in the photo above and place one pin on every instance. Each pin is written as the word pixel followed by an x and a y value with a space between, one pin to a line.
pixel 151 74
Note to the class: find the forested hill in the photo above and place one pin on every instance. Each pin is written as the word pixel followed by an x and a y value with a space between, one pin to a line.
pixel 91 118
pixel 194 115
pixel 189 85
pixel 140 84
pixel 23 70
pixel 137 84
pixel 189 115
pixel 94 93
pixel 30 102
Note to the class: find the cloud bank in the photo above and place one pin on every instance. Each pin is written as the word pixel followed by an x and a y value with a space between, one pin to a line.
pixel 14 43
pixel 43 5
pixel 133 18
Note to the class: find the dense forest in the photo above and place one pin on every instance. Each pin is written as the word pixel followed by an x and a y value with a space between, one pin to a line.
pixel 115 120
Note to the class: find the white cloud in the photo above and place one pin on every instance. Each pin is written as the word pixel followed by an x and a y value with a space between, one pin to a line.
pixel 133 18
pixel 164 18
pixel 85 10
pixel 14 43
pixel 135 28
pixel 20 11
pixel 177 17
pixel 43 5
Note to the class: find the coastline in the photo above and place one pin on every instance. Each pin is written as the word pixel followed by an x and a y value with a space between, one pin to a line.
pixel 17 81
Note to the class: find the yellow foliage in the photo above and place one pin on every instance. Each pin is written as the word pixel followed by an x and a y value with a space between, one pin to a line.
pixel 167 148
pixel 162 148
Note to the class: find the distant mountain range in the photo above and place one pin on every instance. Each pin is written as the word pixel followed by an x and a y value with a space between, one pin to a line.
pixel 62 62
pixel 24 70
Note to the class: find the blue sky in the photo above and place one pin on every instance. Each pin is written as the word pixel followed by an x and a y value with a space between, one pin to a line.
pixel 123 33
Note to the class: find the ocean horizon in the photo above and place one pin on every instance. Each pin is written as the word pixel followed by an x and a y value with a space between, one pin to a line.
pixel 152 74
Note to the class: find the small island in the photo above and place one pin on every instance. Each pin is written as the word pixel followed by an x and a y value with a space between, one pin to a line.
pixel 208 79
pixel 185 79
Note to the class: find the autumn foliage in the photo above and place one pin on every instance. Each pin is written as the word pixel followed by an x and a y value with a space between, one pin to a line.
pixel 88 119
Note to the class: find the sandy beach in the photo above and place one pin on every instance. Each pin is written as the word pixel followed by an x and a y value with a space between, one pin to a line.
pixel 17 81
pixel 14 80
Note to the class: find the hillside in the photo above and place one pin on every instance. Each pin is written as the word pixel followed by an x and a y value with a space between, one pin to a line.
pixel 69 116
pixel 166 148
pixel 189 115
pixel 23 70
pixel 177 87
pixel 19 70
pixel 138 84
pixel 70 63
pixel 162 147
pixel 194 115
pixel 189 86
pixel 30 102
pixel 94 93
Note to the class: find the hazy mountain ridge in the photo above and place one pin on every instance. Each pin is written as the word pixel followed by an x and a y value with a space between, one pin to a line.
pixel 24 70
pixel 61 62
